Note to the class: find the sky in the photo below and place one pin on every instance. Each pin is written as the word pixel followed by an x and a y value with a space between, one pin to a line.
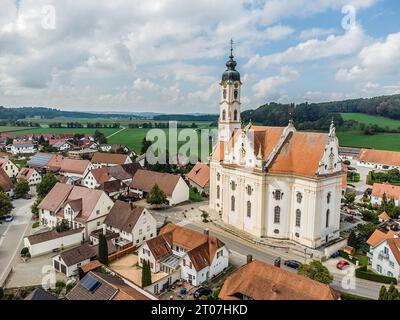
pixel 167 56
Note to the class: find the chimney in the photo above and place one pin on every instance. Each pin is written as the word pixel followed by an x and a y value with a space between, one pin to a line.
pixel 207 232
pixel 249 258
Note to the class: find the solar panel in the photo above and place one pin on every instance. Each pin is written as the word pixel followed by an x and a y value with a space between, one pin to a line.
pixel 89 283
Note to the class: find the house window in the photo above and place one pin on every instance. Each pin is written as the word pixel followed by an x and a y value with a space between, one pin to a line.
pixel 184 262
pixel 278 195
pixel 390 274
pixel 327 218
pixel 233 203
pixel 277 214
pixel 140 231
pixel 98 212
pixel 218 191
pixel 299 197
pixel 248 209
pixel 379 268
pixel 328 198
pixel 298 217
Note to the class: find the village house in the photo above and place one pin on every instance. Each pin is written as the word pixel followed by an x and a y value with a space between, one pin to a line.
pixel 199 177
pixel 101 159
pixel 105 147
pixel 379 189
pixel 23 148
pixel 377 237
pixel 174 187
pixel 60 145
pixel 40 161
pixel 258 280
pixel 99 286
pixel 198 256
pixel 141 159
pixel 134 224
pixel 6 185
pixel 379 159
pixel 383 217
pixel 9 167
pixel 120 148
pixel 31 175
pixel 386 258
pixel 81 207
pixel 75 168
pixel 69 261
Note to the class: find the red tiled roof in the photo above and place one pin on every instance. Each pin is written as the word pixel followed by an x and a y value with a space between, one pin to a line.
pixel 109 158
pixel 200 174
pixel 146 179
pixel 5 182
pixel 391 191
pixel 379 156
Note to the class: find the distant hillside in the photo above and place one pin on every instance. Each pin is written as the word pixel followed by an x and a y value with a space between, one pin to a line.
pixel 317 116
pixel 186 117
pixel 13 114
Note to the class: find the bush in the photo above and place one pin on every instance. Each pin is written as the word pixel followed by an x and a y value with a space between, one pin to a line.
pixel 25 252
pixel 36 225
pixel 60 284
pixel 346 256
pixel 363 273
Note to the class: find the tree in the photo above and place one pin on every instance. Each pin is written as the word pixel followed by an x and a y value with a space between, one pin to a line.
pixel 315 270
pixel 35 209
pixel 21 188
pixel 349 197
pixel 62 226
pixel 156 196
pixel 5 204
pixel 103 249
pixel 145 145
pixel 383 293
pixel 146 274
pixel 48 183
pixel 352 240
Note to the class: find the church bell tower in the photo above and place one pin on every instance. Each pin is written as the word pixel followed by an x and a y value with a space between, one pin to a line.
pixel 229 117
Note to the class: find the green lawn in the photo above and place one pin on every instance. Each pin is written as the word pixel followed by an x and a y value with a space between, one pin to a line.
pixel 368 119
pixel 384 141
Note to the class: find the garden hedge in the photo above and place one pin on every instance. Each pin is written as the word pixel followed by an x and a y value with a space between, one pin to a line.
pixel 363 273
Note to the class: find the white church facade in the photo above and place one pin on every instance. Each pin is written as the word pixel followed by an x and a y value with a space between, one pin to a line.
pixel 274 182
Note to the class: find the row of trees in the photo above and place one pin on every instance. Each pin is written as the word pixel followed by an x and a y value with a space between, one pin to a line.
pixel 391 176
pixel 161 125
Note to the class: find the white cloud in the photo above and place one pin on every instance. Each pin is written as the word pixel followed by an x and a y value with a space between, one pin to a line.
pixel 268 87
pixel 379 59
pixel 312 50
pixel 315 33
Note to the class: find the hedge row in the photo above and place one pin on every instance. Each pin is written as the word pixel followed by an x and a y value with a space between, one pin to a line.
pixel 350 296
pixel 363 273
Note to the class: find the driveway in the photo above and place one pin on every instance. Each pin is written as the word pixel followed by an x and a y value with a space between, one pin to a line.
pixel 12 234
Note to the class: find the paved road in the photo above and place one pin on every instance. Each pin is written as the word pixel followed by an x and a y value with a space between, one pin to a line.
pixel 12 234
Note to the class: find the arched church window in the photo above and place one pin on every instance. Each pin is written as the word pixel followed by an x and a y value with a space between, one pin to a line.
pixel 277 214
pixel 327 218
pixel 224 93
pixel 299 197
pixel 248 209
pixel 233 203
pixel 328 197
pixel 224 115
pixel 298 217
pixel 233 185
pixel 218 192
pixel 218 176
pixel 249 190
pixel 278 195
pixel 235 115
pixel 235 94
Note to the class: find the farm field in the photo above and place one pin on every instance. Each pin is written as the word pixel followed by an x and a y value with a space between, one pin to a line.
pixel 10 129
pixel 368 119
pixel 124 121
pixel 384 141
pixel 106 131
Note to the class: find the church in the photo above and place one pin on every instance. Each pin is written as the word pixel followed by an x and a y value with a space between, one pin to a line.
pixel 274 182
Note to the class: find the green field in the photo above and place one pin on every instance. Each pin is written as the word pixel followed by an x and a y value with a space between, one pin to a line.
pixel 368 119
pixel 38 131
pixel 384 141
pixel 124 121
pixel 11 129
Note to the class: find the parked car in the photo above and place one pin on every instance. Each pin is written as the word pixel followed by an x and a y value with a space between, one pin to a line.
pixel 9 218
pixel 203 291
pixel 335 254
pixel 341 265
pixel 293 264
pixel 28 196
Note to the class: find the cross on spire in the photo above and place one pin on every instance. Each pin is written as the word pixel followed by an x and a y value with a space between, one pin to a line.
pixel 231 48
